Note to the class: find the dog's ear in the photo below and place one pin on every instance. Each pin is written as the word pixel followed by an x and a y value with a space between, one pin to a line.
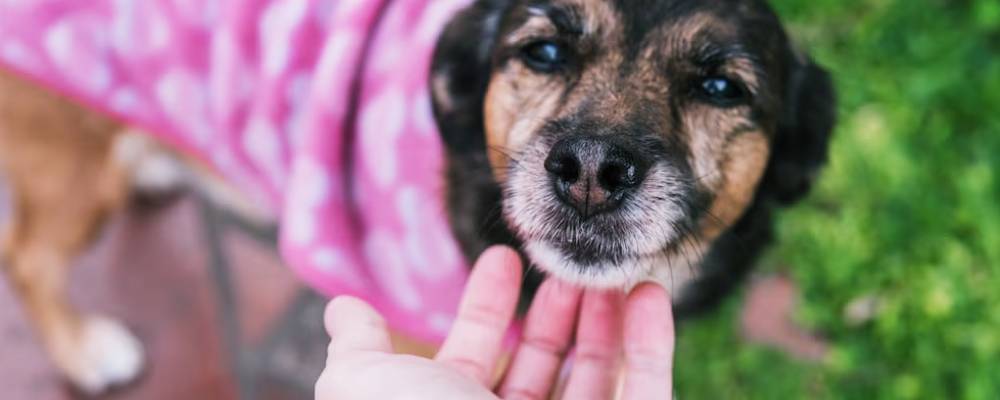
pixel 800 147
pixel 460 73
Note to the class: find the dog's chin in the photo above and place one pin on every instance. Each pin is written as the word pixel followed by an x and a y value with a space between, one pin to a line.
pixel 621 272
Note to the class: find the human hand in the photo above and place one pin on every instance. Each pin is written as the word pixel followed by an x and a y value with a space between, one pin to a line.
pixel 615 336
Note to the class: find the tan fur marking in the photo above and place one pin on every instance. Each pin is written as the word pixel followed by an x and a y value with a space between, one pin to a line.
pixel 514 113
pixel 745 159
pixel 708 129
pixel 536 26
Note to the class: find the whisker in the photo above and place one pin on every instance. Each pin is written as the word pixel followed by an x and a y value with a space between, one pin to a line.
pixel 699 253
pixel 685 237
pixel 506 153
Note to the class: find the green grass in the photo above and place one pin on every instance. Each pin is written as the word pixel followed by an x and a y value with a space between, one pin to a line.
pixel 908 210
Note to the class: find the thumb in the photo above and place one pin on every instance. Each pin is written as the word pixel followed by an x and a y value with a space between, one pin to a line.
pixel 353 325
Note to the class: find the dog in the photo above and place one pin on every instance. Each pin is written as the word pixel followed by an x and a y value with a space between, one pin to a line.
pixel 622 141
pixel 611 141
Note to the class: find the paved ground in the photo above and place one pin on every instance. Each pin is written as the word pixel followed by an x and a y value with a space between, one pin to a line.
pixel 150 270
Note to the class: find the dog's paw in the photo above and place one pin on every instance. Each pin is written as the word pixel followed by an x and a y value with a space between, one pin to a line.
pixel 158 174
pixel 108 356
pixel 155 173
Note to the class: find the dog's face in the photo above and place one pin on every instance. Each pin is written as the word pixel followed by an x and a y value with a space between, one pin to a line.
pixel 627 135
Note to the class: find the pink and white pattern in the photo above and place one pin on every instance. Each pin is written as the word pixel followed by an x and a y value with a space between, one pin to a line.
pixel 318 109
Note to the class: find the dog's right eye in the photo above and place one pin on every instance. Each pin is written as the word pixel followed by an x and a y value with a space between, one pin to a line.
pixel 722 91
pixel 544 56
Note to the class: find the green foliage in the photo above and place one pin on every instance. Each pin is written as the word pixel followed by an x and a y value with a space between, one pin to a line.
pixel 908 210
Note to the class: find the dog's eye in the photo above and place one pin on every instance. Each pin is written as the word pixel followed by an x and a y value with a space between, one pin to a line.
pixel 722 91
pixel 544 56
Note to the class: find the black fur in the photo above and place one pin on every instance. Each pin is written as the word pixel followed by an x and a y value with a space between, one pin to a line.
pixel 463 62
pixel 463 59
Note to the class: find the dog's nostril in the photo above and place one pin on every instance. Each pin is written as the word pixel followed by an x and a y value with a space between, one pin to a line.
pixel 565 167
pixel 615 176
pixel 612 176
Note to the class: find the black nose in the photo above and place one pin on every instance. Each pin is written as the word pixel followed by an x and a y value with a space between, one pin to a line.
pixel 592 173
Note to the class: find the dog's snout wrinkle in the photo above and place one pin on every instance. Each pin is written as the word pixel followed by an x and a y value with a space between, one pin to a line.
pixel 592 174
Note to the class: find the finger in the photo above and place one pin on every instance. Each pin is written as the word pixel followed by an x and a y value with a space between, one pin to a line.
pixel 598 346
pixel 649 344
pixel 474 343
pixel 547 334
pixel 353 325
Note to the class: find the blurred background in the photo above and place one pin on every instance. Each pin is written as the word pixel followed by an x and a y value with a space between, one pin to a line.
pixel 896 254
pixel 889 273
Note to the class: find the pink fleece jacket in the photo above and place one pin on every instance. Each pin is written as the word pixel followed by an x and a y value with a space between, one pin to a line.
pixel 318 109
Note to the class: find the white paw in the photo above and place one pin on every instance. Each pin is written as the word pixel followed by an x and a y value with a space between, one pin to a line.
pixel 108 356
pixel 153 169
pixel 158 173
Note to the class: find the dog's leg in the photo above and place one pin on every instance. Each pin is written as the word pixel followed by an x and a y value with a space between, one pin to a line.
pixel 93 352
pixel 46 234
pixel 56 158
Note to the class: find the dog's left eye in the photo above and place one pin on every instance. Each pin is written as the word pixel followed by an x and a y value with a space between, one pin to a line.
pixel 722 91
pixel 544 56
